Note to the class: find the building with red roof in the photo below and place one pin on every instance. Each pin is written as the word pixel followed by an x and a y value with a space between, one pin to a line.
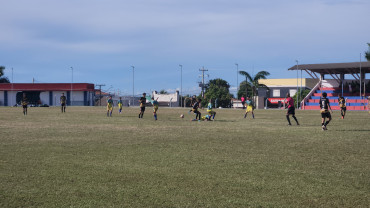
pixel 79 94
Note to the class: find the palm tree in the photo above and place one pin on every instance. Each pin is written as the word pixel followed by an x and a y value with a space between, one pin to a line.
pixel 367 54
pixel 253 82
pixel 2 78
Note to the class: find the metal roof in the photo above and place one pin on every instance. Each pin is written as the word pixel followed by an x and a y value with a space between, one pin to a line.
pixel 46 87
pixel 335 68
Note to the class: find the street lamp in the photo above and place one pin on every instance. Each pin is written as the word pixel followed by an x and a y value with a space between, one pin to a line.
pixel 133 84
pixel 72 87
pixel 181 87
pixel 237 81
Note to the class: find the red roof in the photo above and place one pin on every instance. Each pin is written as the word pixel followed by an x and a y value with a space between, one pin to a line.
pixel 46 87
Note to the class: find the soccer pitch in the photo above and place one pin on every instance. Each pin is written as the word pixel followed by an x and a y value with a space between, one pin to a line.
pixel 85 159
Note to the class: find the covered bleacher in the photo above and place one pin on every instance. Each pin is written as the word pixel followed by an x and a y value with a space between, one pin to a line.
pixel 355 91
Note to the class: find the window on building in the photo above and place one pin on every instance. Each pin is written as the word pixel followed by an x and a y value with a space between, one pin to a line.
pixel 276 93
pixel 292 92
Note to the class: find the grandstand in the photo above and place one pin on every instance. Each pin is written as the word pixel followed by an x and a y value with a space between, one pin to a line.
pixel 356 99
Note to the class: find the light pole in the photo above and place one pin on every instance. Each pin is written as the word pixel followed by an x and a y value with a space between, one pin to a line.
pixel 133 84
pixel 11 103
pixel 72 87
pixel 237 81
pixel 181 87
pixel 297 83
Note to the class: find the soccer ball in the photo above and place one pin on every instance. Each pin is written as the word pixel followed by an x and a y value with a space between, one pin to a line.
pixel 182 116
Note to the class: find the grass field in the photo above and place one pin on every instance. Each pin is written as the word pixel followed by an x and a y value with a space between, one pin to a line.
pixel 85 159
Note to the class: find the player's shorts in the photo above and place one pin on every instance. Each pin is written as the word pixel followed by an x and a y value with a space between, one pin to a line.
pixel 291 111
pixel 109 108
pixel 63 104
pixel 155 109
pixel 343 108
pixel 142 109
pixel 24 106
pixel 325 113
pixel 249 109
pixel 195 110
pixel 120 106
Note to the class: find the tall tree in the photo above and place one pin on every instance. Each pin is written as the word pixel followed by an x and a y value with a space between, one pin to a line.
pixel 3 79
pixel 253 81
pixel 218 89
pixel 367 53
pixel 245 90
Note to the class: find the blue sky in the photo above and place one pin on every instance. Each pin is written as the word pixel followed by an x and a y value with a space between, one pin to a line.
pixel 101 40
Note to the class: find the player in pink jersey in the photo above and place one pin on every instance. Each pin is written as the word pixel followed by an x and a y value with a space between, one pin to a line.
pixel 291 110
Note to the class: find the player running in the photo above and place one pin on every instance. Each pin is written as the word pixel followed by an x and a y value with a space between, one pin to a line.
pixel 210 112
pixel 291 110
pixel 342 105
pixel 63 101
pixel 119 103
pixel 109 106
pixel 249 106
pixel 195 109
pixel 155 107
pixel 325 106
pixel 24 103
pixel 142 105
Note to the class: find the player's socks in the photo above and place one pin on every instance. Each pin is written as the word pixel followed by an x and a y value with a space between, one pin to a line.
pixel 326 123
pixel 287 118
pixel 295 120
pixel 245 115
pixel 108 114
pixel 155 117
pixel 111 114
pixel 253 115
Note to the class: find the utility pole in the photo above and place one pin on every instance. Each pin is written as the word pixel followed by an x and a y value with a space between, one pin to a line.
pixel 181 86
pixel 133 85
pixel 203 70
pixel 72 87
pixel 237 81
pixel 100 85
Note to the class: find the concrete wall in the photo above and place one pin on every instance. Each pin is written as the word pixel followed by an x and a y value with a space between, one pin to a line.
pixel 172 100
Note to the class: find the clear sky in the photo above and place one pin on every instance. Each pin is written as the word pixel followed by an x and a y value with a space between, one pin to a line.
pixel 101 40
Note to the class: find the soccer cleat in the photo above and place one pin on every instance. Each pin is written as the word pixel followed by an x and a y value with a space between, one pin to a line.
pixel 323 127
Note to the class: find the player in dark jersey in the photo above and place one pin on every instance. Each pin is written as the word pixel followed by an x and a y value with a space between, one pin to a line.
pixel 291 110
pixel 142 105
pixel 195 109
pixel 24 103
pixel 63 101
pixel 342 105
pixel 324 109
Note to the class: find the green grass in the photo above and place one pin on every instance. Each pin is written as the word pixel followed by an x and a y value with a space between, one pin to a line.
pixel 84 159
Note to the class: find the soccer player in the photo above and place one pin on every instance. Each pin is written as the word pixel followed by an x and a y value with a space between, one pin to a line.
pixel 155 107
pixel 193 100
pixel 325 106
pixel 342 105
pixel 24 102
pixel 109 106
pixel 249 105
pixel 142 105
pixel 210 112
pixel 291 109
pixel 63 100
pixel 195 109
pixel 119 103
